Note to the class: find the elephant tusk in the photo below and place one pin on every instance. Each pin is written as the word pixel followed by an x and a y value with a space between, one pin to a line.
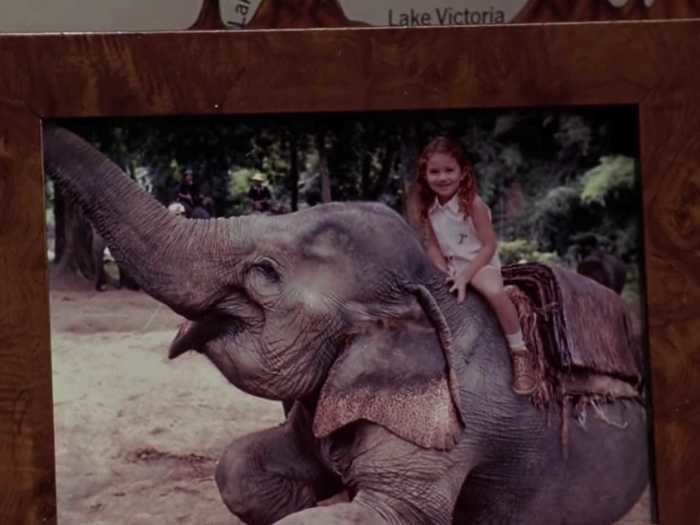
pixel 183 340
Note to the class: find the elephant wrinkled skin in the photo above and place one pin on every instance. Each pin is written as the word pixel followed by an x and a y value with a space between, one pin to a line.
pixel 400 395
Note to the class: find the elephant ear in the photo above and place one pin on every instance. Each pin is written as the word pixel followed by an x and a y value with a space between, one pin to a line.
pixel 396 371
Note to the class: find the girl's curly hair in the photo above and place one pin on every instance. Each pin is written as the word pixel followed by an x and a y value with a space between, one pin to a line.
pixel 467 188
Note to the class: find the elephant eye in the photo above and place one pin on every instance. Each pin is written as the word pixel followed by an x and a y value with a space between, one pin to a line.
pixel 267 270
pixel 264 281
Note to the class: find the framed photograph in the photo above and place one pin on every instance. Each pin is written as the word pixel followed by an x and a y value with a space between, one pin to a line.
pixel 330 229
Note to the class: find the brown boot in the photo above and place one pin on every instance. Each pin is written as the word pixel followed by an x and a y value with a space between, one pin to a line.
pixel 524 376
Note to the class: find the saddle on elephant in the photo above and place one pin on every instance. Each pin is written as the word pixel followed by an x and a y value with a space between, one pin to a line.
pixel 579 332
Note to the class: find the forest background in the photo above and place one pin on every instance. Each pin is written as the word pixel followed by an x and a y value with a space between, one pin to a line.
pixel 560 183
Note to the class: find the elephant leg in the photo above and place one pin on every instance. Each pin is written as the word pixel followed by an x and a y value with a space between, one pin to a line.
pixel 287 407
pixel 99 281
pixel 338 514
pixel 125 280
pixel 395 482
pixel 100 275
pixel 267 475
pixel 98 250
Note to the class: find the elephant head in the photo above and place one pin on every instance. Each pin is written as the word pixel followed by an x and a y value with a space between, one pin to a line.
pixel 280 304
pixel 604 268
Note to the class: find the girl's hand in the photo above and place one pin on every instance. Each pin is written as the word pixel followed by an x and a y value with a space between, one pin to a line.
pixel 459 283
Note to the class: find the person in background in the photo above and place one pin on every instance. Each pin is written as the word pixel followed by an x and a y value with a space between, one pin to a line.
pixel 188 193
pixel 259 194
pixel 176 208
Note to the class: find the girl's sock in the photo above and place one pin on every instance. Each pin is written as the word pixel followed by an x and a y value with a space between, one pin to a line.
pixel 516 341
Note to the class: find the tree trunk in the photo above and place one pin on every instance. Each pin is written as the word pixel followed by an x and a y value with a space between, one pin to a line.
pixel 387 162
pixel 409 162
pixel 514 201
pixel 365 182
pixel 76 247
pixel 59 223
pixel 326 194
pixel 294 169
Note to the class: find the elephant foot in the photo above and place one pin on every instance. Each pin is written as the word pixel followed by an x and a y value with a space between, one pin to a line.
pixel 338 514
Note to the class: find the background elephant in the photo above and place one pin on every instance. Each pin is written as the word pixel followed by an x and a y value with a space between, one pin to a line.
pixel 99 258
pixel 102 277
pixel 604 268
pixel 400 394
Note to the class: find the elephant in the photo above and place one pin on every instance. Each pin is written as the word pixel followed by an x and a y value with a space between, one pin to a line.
pixel 98 248
pixel 604 268
pixel 400 395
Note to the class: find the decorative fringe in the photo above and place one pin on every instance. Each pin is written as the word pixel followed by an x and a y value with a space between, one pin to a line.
pixel 529 317
pixel 566 305
pixel 572 390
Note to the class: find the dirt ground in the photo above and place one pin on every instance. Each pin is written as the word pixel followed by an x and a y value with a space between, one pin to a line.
pixel 138 435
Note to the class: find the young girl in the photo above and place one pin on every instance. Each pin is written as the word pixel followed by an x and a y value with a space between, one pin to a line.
pixel 460 240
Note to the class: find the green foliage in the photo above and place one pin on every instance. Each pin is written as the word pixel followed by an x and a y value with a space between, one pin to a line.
pixel 558 202
pixel 522 250
pixel 614 174
pixel 240 180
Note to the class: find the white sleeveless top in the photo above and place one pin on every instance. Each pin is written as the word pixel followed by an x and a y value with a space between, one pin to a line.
pixel 457 236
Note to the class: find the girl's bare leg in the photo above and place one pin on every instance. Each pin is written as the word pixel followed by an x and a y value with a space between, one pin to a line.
pixel 489 283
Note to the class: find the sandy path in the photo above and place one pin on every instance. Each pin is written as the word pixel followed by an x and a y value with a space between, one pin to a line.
pixel 138 435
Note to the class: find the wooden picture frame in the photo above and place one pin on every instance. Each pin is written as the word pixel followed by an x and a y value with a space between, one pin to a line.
pixel 649 65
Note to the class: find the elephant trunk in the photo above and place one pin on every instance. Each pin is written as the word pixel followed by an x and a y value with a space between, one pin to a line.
pixel 175 260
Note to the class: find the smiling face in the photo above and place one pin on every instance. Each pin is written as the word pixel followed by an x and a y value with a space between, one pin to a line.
pixel 444 175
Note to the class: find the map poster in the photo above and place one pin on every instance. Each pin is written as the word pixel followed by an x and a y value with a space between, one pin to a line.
pixel 38 16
